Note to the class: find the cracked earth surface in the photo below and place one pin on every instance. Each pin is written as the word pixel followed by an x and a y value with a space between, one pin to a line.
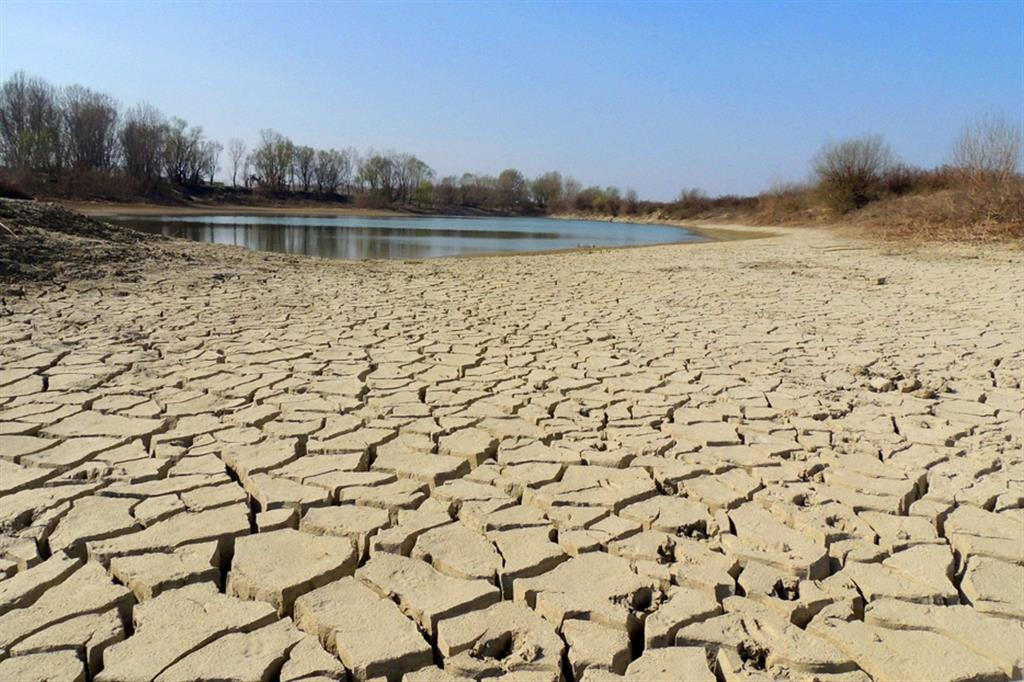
pixel 750 460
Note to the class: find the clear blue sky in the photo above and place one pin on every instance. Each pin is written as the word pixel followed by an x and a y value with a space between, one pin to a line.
pixel 728 97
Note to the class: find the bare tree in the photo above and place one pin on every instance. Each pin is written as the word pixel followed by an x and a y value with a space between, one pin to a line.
pixel 631 202
pixel 850 172
pixel 31 125
pixel 236 152
pixel 272 159
pixel 211 150
pixel 989 148
pixel 547 189
pixel 513 192
pixel 571 188
pixel 90 119
pixel 446 191
pixel 183 152
pixel 305 166
pixel 142 145
pixel 378 174
pixel 413 177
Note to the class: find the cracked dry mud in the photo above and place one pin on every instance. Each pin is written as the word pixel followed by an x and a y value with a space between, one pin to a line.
pixel 750 460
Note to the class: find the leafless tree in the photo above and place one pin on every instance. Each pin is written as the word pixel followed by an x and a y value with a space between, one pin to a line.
pixel 513 192
pixel 183 160
pixel 378 175
pixel 547 189
pixel 989 148
pixel 446 191
pixel 414 177
pixel 236 152
pixel 90 119
pixel 631 203
pixel 571 188
pixel 142 145
pixel 31 124
pixel 304 159
pixel 211 150
pixel 272 159
pixel 850 172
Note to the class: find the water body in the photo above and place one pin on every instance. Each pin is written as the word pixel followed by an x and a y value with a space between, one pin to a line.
pixel 357 237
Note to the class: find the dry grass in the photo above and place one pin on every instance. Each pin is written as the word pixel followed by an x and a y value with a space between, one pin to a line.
pixel 949 215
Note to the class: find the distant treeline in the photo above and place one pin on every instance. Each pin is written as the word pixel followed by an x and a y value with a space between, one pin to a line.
pixel 75 142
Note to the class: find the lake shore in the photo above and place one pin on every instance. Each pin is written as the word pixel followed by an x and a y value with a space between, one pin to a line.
pixel 610 439
pixel 711 231
pixel 100 209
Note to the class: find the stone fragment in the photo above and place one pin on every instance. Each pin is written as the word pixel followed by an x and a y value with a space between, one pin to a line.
pixel 998 639
pixel 89 423
pixel 525 553
pixel 472 444
pixel 760 536
pixel 771 643
pixel 48 666
pixel 507 637
pixel 422 592
pixel 175 624
pixel 892 655
pixel 93 518
pixel 308 662
pixel 682 606
pixel 148 575
pixel 459 552
pixel 25 587
pixel 594 587
pixel 985 583
pixel 358 524
pixel 279 566
pixel 222 524
pixel 272 492
pixel 87 633
pixel 88 590
pixel 920 574
pixel 674 515
pixel 595 646
pixel 402 494
pixel 681 663
pixel 369 634
pixel 400 537
pixel 238 656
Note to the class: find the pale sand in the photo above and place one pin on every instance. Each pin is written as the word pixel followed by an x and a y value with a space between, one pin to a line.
pixel 587 454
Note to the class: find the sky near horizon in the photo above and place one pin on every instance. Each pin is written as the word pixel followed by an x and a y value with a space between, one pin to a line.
pixel 727 97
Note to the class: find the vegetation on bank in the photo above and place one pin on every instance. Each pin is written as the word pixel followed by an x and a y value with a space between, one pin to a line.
pixel 76 143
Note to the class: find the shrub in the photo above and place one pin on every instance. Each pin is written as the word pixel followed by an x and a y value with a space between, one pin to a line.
pixel 988 151
pixel 850 172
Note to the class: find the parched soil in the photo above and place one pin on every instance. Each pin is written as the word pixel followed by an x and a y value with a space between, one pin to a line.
pixel 789 458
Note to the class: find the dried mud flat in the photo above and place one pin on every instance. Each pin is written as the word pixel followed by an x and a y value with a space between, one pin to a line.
pixel 745 460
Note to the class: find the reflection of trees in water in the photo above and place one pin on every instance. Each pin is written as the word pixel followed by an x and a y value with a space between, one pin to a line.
pixel 404 241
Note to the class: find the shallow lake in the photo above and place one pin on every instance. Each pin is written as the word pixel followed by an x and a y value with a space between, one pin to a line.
pixel 357 237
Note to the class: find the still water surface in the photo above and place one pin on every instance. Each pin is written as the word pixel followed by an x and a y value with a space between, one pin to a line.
pixel 357 237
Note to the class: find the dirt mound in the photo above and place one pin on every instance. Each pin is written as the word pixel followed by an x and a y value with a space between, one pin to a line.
pixel 40 241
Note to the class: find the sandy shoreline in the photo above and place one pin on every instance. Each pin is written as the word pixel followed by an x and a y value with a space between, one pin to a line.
pixel 564 454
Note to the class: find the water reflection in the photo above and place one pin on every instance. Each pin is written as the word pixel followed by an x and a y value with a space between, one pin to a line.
pixel 355 237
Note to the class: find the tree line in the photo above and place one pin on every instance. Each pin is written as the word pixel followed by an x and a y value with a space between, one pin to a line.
pixel 78 141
